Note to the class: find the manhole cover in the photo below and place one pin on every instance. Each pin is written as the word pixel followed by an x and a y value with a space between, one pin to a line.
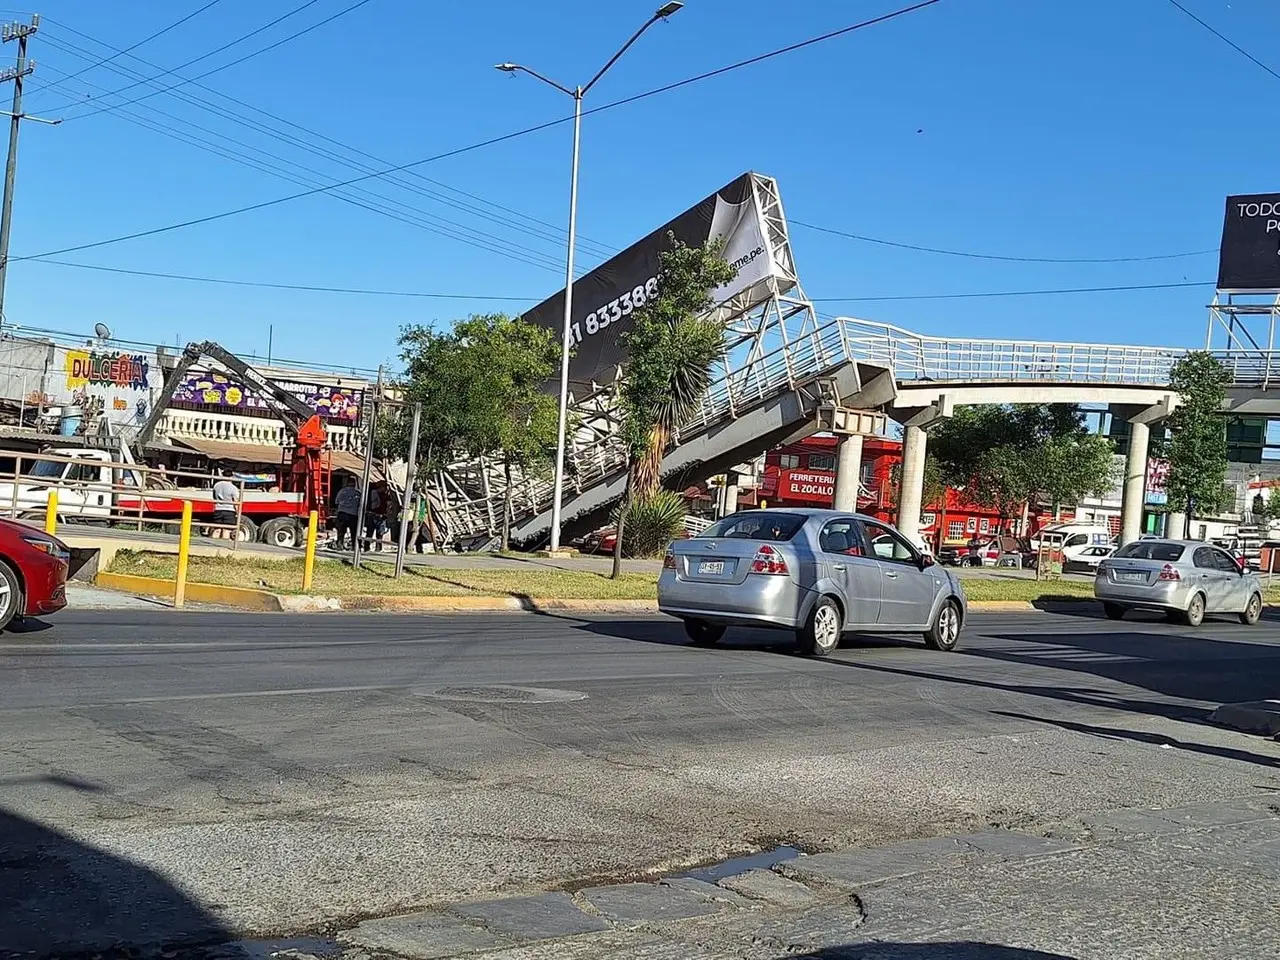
pixel 501 693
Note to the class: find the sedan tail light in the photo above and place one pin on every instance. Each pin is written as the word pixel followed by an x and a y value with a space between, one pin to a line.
pixel 669 561
pixel 1170 572
pixel 768 560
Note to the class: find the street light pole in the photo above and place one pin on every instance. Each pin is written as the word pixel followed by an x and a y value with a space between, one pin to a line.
pixel 578 93
pixel 566 346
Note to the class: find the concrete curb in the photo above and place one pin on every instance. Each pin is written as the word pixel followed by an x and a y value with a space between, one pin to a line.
pixel 239 597
pixel 265 601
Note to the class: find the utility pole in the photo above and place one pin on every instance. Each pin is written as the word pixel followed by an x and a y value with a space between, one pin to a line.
pixel 23 67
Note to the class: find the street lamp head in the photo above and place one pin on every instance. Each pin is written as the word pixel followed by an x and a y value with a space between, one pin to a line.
pixel 667 9
pixel 507 67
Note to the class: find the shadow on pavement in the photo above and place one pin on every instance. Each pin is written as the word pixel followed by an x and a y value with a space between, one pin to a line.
pixel 956 950
pixel 1217 670
pixel 1157 739
pixel 61 896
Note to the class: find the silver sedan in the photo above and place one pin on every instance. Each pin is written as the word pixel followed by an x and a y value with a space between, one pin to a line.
pixel 1184 578
pixel 817 572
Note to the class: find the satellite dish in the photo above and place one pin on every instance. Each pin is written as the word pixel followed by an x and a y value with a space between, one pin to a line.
pixel 102 331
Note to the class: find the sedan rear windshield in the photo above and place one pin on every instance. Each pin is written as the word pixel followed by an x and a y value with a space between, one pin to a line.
pixel 1148 550
pixel 757 526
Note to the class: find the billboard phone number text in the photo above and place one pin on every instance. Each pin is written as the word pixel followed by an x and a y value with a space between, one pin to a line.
pixel 613 311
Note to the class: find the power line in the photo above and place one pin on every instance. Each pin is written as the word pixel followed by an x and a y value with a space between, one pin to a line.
pixel 991 256
pixel 1227 40
pixel 225 66
pixel 243 121
pixel 600 249
pixel 374 202
pixel 289 286
pixel 1013 293
pixel 145 40
pixel 442 296
pixel 492 141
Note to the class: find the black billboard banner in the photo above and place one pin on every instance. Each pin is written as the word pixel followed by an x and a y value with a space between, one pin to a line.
pixel 604 299
pixel 1249 258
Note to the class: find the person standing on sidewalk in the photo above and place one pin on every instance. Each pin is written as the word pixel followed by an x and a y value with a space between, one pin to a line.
pixel 225 496
pixel 347 504
pixel 375 519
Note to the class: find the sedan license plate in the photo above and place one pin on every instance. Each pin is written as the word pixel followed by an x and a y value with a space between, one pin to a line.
pixel 1131 577
pixel 711 566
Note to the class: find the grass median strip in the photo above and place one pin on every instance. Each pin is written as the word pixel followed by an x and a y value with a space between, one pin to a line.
pixel 334 579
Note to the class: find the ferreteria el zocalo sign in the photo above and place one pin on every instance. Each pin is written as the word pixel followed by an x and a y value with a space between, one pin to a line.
pixel 1249 258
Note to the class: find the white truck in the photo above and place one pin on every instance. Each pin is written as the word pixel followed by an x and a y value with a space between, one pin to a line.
pixel 94 488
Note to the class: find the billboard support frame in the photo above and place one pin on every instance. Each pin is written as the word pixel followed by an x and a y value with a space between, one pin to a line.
pixel 1242 330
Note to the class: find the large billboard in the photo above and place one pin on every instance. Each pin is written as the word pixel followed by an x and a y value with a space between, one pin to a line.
pixel 1249 258
pixel 213 389
pixel 604 299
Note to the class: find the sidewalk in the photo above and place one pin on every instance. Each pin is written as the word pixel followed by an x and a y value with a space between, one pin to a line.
pixel 1123 885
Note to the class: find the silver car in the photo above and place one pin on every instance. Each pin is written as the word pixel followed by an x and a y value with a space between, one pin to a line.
pixel 817 572
pixel 1184 578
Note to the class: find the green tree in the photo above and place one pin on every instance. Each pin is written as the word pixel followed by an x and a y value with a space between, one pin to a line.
pixel 1196 447
pixel 1013 455
pixel 480 386
pixel 671 346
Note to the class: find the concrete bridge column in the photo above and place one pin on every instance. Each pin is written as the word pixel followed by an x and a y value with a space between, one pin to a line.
pixel 730 493
pixel 1175 525
pixel 1133 491
pixel 1133 497
pixel 848 473
pixel 911 487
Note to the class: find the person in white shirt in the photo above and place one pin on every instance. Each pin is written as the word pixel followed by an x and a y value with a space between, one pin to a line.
pixel 225 496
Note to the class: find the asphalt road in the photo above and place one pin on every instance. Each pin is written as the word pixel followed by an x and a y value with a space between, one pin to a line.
pixel 274 773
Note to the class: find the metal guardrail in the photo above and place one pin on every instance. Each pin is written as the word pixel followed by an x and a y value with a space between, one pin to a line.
pixel 911 357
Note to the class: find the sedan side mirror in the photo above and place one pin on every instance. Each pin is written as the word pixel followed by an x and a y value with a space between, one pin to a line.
pixel 926 561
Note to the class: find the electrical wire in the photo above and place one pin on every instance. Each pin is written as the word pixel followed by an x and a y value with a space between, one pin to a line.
pixel 491 141
pixel 248 56
pixel 991 256
pixel 285 168
pixel 308 288
pixel 558 233
pixel 1227 40
pixel 555 235
pixel 1013 293
pixel 145 40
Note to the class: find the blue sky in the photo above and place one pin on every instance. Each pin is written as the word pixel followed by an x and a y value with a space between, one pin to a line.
pixel 1091 128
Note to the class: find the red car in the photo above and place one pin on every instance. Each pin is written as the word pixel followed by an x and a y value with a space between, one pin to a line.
pixel 33 572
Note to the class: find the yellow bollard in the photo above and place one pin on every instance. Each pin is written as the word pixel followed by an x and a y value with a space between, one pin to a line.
pixel 51 512
pixel 309 564
pixel 184 554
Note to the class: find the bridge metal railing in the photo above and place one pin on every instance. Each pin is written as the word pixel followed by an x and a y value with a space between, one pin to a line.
pixel 967 360
pixel 911 357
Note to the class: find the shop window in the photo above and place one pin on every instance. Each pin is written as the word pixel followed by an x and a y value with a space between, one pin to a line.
pixel 972 525
pixel 821 461
pixel 955 529
pixel 788 461
pixel 985 525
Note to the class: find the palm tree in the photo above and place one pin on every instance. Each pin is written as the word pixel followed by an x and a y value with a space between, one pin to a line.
pixel 672 345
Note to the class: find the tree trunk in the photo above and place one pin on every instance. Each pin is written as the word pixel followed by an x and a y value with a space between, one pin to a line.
pixel 1186 522
pixel 622 523
pixel 647 470
pixel 506 505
